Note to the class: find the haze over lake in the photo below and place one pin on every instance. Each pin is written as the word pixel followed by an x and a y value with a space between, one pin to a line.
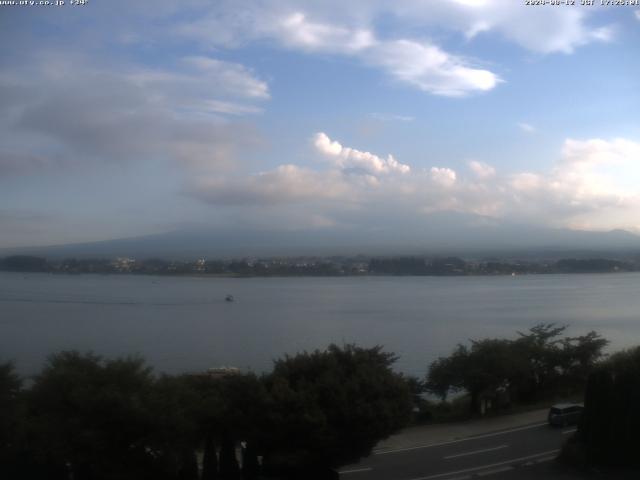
pixel 184 323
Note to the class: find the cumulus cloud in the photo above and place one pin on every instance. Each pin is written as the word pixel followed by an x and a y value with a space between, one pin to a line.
pixel 481 169
pixel 443 176
pixel 597 151
pixel 287 183
pixel 588 186
pixel 350 158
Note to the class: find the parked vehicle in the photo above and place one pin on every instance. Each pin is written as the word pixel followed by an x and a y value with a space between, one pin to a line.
pixel 564 414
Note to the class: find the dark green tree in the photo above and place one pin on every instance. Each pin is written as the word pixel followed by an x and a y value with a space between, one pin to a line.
pixel 331 407
pixel 480 371
pixel 89 416
pixel 229 467
pixel 537 364
pixel 174 436
pixel 11 421
pixel 579 355
pixel 446 374
pixel 611 421
pixel 539 356
pixel 209 459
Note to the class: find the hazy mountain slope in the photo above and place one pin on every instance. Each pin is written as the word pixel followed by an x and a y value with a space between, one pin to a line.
pixel 438 234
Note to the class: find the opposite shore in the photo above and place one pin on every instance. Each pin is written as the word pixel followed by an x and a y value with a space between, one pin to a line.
pixel 334 266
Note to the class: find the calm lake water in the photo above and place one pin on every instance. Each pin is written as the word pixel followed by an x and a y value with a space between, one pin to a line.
pixel 183 324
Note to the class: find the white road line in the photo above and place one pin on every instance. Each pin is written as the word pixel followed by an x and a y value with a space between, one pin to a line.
pixel 487 435
pixel 493 471
pixel 567 432
pixel 475 451
pixel 545 459
pixel 486 467
pixel 356 470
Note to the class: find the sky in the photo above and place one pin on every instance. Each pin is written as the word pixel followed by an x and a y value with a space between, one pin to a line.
pixel 121 119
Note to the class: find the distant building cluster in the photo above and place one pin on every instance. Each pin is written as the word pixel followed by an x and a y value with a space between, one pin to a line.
pixel 317 266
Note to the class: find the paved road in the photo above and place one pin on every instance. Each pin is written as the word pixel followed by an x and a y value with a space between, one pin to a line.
pixel 502 453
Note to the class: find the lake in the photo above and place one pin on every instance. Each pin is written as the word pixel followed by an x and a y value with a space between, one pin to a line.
pixel 184 323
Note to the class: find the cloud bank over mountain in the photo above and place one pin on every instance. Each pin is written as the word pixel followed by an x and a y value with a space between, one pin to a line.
pixel 323 114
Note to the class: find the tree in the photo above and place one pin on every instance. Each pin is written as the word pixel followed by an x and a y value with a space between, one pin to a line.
pixel 537 364
pixel 541 355
pixel 24 263
pixel 330 408
pixel 90 416
pixel 611 421
pixel 231 409
pixel 174 434
pixel 11 420
pixel 480 370
pixel 580 354
pixel 446 374
pixel 209 460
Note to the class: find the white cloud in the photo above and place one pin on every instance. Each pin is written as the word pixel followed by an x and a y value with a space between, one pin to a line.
pixel 443 176
pixel 542 30
pixel 415 61
pixel 235 78
pixel 637 14
pixel 598 151
pixel 593 184
pixel 298 32
pixel 338 26
pixel 229 108
pixel 421 64
pixel 481 169
pixel 431 69
pixel 526 127
pixel 287 183
pixel 350 158
pixel 526 182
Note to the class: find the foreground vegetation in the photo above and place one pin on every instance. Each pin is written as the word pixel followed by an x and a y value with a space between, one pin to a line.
pixel 89 418
pixel 608 432
pixel 497 373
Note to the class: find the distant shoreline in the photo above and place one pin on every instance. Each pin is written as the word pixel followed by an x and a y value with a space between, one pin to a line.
pixel 359 266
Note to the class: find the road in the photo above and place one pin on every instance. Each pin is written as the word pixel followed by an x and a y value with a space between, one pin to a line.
pixel 502 453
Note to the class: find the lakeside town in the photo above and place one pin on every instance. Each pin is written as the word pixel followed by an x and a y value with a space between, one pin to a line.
pixel 318 266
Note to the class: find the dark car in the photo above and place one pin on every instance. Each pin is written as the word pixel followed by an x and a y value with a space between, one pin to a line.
pixel 563 414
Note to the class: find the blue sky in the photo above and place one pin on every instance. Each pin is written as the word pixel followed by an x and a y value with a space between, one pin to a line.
pixel 122 120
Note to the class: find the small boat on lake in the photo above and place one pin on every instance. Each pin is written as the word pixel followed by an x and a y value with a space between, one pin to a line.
pixel 229 298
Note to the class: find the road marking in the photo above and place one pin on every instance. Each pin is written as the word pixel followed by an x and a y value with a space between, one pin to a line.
pixel 567 432
pixel 475 451
pixel 493 471
pixel 486 467
pixel 486 435
pixel 545 459
pixel 356 470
